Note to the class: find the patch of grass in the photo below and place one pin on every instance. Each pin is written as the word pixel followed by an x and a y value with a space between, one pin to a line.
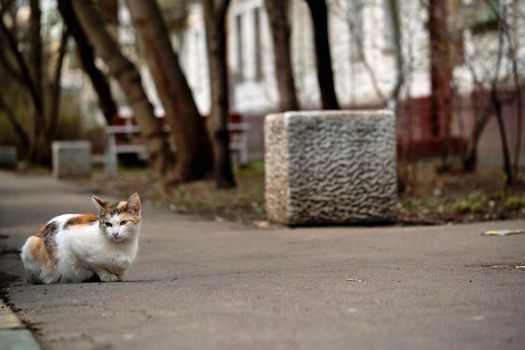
pixel 437 198
pixel 414 203
pixel 38 170
pixel 253 168
pixel 243 203
pixel 515 203
pixel 474 202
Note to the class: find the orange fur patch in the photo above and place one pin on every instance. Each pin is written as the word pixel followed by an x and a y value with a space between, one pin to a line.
pixel 38 251
pixel 46 235
pixel 84 219
pixel 40 231
pixel 122 205
pixel 130 217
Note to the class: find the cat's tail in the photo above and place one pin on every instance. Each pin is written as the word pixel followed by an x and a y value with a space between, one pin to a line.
pixel 39 266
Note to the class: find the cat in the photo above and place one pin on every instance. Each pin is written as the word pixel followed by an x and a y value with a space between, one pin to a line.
pixel 73 248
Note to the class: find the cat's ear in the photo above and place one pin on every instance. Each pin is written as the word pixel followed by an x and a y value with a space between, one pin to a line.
pixel 99 203
pixel 133 203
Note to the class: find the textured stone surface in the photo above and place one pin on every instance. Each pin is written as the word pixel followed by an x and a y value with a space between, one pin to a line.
pixel 330 167
pixel 276 167
pixel 71 158
pixel 8 157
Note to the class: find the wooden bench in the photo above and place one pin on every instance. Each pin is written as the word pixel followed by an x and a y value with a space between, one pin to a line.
pixel 122 139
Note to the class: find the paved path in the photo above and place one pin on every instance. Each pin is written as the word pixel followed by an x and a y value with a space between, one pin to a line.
pixel 204 285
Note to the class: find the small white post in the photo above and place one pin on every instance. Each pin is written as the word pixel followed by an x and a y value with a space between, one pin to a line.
pixel 111 154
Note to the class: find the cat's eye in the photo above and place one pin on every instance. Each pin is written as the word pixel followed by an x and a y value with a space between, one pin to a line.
pixel 124 222
pixel 108 224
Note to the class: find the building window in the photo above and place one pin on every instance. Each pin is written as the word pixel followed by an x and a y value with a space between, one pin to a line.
pixel 257 43
pixel 240 60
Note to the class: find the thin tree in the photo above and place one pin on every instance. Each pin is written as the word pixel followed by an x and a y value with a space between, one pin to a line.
pixel 393 12
pixel 440 74
pixel 280 27
pixel 499 66
pixel 325 75
pixel 36 69
pixel 215 22
pixel 29 73
pixel 482 115
pixel 10 77
pixel 350 15
pixel 497 105
pixel 128 77
pixel 56 90
pixel 17 127
pixel 512 42
pixel 87 59
pixel 194 155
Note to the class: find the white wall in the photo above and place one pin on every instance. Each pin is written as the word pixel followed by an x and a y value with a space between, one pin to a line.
pixel 358 81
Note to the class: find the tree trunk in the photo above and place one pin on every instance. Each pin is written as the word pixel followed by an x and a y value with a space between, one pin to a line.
pixel 19 130
pixel 393 12
pixel 40 147
pixel 129 80
pixel 470 158
pixel 519 97
pixel 507 165
pixel 280 28
pixel 29 75
pixel 441 73
pixel 25 75
pixel 194 156
pixel 325 75
pixel 214 17
pixel 87 59
pixel 56 88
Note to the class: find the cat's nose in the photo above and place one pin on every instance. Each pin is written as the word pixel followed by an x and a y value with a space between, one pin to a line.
pixel 115 234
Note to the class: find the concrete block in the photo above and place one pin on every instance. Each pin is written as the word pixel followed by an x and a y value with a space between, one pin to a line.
pixel 8 157
pixel 330 167
pixel 71 159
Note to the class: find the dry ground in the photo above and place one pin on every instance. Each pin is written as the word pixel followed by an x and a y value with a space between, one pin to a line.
pixel 428 198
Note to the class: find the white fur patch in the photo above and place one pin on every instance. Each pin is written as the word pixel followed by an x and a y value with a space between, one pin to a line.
pixel 82 251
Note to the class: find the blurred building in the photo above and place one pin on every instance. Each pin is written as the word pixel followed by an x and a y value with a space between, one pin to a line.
pixel 363 59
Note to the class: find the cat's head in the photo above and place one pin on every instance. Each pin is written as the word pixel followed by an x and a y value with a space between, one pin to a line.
pixel 119 220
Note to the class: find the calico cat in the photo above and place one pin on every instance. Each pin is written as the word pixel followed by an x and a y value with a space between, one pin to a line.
pixel 78 247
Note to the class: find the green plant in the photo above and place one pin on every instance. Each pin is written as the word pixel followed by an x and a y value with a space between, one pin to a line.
pixel 515 203
pixel 471 203
pixel 414 204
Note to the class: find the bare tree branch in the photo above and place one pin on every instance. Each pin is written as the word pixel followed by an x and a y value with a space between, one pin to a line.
pixel 8 112
pixel 8 66
pixel 507 165
pixel 5 6
pixel 87 58
pixel 56 88
pixel 24 68
pixel 194 151
pixel 359 47
pixel 128 77
pixel 215 18
pixel 396 29
pixel 277 11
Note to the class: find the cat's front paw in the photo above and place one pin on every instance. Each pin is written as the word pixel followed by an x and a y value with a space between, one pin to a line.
pixel 107 277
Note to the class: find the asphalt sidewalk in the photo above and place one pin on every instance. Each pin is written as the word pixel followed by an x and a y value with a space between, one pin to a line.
pixel 204 285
